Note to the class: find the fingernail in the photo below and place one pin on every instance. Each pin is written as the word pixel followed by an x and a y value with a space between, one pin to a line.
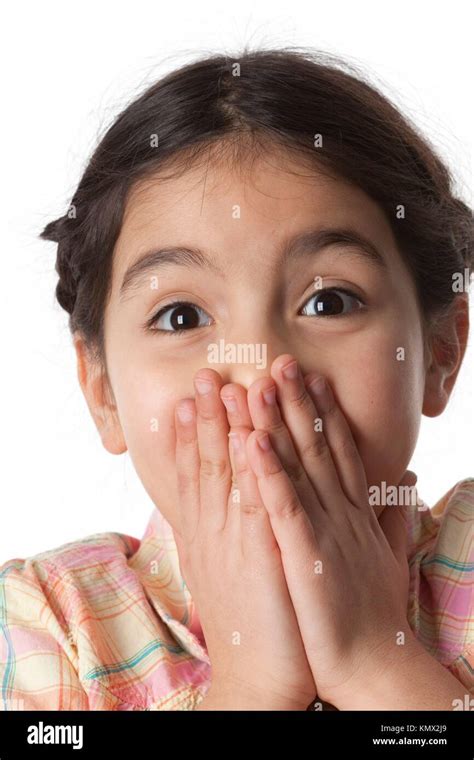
pixel 323 394
pixel 202 386
pixel 230 403
pixel 290 371
pixel 264 442
pixel 270 395
pixel 185 413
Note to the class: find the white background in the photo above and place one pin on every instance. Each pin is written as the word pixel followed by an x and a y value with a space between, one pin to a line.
pixel 68 70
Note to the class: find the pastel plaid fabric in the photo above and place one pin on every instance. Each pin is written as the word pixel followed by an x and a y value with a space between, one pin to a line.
pixel 107 622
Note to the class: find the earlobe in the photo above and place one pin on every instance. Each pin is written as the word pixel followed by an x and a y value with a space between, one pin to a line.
pixel 446 353
pixel 435 398
pixel 112 437
pixel 95 387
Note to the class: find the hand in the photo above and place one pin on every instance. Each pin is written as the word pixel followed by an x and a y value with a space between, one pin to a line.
pixel 347 573
pixel 231 563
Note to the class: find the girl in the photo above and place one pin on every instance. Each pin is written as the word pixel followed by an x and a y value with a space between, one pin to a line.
pixel 273 205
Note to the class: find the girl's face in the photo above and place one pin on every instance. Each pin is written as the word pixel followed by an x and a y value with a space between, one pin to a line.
pixel 245 290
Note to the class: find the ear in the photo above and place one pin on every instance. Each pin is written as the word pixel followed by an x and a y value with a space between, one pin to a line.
pixel 447 348
pixel 97 392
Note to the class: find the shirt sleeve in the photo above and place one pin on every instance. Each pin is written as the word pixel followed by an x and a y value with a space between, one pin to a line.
pixel 446 587
pixel 463 669
pixel 38 659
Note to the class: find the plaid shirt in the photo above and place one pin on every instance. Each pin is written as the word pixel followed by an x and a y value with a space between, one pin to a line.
pixel 107 622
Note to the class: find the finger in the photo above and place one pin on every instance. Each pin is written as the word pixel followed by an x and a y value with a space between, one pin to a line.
pixel 345 454
pixel 300 416
pixel 276 488
pixel 393 521
pixel 266 416
pixel 394 527
pixel 212 431
pixel 234 397
pixel 294 531
pixel 187 467
pixel 249 516
pixel 182 553
pixel 410 479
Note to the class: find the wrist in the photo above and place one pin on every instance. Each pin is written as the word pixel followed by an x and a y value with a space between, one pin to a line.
pixel 402 677
pixel 229 696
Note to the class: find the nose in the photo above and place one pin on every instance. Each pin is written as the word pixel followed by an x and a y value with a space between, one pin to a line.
pixel 243 361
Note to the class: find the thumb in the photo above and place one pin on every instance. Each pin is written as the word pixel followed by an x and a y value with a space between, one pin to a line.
pixel 178 539
pixel 393 520
pixel 182 554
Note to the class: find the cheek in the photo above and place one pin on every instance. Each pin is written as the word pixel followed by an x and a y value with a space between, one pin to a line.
pixel 382 399
pixel 147 418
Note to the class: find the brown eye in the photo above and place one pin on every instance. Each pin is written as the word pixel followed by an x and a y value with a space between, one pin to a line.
pixel 177 317
pixel 332 303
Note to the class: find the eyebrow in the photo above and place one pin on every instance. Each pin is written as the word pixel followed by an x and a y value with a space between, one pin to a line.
pixel 303 244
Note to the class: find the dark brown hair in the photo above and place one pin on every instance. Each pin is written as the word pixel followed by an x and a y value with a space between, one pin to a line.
pixel 285 97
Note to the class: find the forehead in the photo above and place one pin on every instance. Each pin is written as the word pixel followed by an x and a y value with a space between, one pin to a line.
pixel 224 206
pixel 271 183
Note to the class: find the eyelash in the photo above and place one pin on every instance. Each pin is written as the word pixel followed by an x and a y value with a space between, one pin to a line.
pixel 180 331
pixel 170 307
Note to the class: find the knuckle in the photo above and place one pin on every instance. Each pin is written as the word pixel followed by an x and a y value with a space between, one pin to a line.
pixel 273 468
pixel 346 448
pixel 251 508
pixel 316 450
pixel 206 414
pixel 215 469
pixel 331 409
pixel 241 468
pixel 276 427
pixel 301 401
pixel 289 507
pixel 295 471
pixel 182 479
pixel 187 440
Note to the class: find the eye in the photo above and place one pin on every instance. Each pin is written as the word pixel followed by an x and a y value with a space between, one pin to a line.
pixel 333 302
pixel 177 317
